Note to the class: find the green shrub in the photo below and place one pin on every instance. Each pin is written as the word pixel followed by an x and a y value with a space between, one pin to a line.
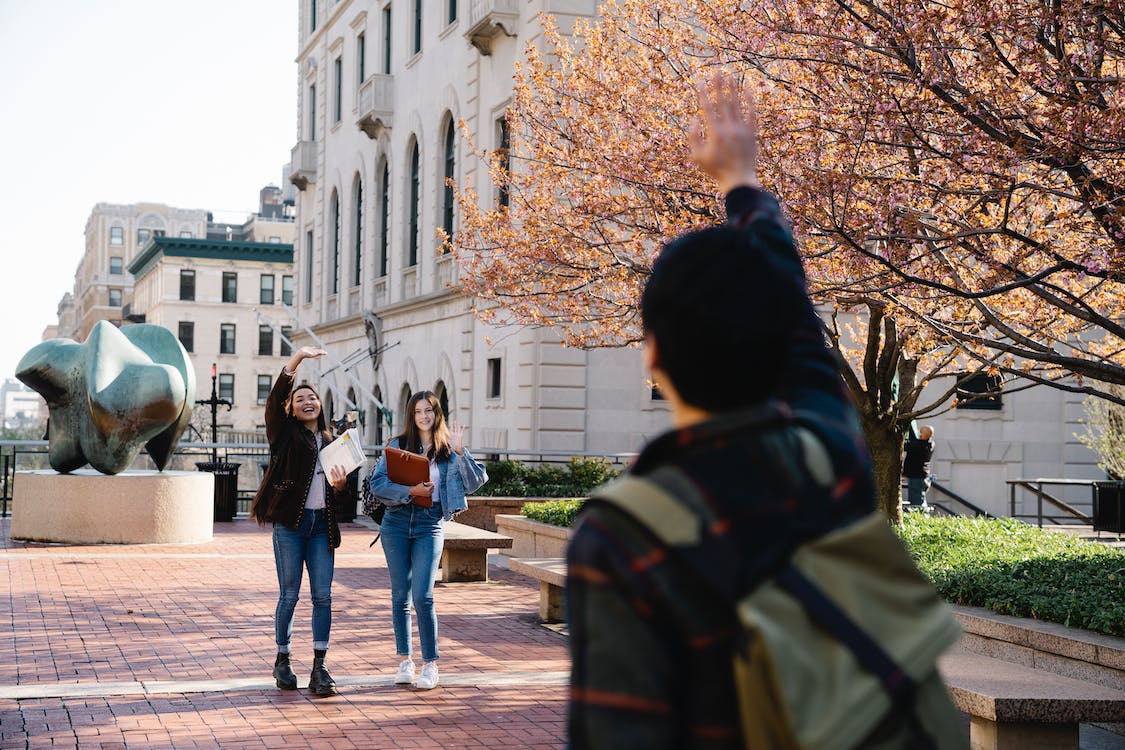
pixel 575 479
pixel 1015 569
pixel 554 512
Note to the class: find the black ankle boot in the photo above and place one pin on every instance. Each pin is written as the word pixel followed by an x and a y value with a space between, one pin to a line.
pixel 283 673
pixel 320 682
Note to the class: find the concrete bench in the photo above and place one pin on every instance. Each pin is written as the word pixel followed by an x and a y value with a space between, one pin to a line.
pixel 1013 707
pixel 465 554
pixel 551 574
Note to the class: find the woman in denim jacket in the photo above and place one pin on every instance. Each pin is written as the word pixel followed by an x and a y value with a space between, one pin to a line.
pixel 413 529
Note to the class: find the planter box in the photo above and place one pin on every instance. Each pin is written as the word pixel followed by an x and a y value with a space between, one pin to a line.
pixel 482 511
pixel 533 538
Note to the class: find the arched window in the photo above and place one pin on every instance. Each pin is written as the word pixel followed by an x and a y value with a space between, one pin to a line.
pixel 384 218
pixel 335 278
pixel 450 163
pixel 415 199
pixel 328 408
pixel 357 270
pixel 403 400
pixel 443 398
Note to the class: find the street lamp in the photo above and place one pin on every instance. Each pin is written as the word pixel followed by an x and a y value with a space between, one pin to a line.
pixel 214 403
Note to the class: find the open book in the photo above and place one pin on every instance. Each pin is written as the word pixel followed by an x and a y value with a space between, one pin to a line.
pixel 345 451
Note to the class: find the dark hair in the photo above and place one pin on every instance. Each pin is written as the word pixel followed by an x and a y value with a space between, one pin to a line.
pixel 321 422
pixel 411 440
pixel 722 312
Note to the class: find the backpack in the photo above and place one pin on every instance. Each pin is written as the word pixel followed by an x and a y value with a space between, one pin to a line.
pixel 838 648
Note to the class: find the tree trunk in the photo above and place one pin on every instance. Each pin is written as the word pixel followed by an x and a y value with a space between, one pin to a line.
pixel 886 454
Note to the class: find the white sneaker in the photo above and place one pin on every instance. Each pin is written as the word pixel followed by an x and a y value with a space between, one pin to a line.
pixel 405 674
pixel 429 678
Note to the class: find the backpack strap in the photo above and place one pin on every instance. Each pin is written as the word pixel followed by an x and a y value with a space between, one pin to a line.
pixel 669 505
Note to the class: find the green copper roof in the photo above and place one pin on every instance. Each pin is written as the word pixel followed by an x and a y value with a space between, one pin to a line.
pixel 191 247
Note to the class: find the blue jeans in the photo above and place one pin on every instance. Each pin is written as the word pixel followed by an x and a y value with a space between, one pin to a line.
pixel 307 546
pixel 916 490
pixel 412 541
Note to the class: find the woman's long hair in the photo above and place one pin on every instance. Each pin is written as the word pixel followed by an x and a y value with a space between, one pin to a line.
pixel 411 439
pixel 321 422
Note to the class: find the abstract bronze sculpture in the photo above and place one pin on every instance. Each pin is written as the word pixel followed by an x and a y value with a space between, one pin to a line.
pixel 120 390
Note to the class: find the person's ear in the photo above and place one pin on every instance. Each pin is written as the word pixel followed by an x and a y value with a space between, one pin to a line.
pixel 650 353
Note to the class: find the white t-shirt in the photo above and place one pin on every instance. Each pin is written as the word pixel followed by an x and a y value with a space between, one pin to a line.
pixel 315 499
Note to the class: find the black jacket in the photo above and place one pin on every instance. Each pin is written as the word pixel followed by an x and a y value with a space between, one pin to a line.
pixel 281 497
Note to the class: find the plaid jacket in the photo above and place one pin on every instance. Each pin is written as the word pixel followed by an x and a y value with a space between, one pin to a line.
pixel 651 650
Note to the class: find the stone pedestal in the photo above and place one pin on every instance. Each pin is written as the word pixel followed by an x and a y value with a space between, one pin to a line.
pixel 134 507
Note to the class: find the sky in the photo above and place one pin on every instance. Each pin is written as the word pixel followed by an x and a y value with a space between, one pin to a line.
pixel 190 104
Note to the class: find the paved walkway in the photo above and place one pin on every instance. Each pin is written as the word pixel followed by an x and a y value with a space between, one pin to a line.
pixel 171 646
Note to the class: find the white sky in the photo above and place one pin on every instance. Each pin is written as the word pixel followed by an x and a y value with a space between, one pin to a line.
pixel 191 104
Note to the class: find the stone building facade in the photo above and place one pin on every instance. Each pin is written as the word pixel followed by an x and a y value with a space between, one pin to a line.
pixel 382 89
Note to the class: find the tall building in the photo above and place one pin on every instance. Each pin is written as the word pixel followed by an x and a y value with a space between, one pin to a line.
pixel 220 286
pixel 114 235
pixel 382 89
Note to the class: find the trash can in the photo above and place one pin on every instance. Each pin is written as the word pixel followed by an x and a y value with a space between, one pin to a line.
pixel 226 487
pixel 1109 499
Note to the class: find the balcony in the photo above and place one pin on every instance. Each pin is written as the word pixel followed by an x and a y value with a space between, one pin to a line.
pixel 302 164
pixel 488 19
pixel 376 104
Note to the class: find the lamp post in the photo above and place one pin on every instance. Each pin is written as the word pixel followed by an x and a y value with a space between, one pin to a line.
pixel 214 402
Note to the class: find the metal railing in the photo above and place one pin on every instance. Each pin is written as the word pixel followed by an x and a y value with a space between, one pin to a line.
pixel 955 503
pixel 1069 513
pixel 26 455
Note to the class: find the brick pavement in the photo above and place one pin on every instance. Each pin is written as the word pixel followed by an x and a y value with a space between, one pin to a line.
pixel 152 646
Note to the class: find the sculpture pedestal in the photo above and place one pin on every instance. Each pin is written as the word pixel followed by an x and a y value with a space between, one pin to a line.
pixel 133 507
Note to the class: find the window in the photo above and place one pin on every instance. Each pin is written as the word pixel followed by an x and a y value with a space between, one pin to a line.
pixel 335 287
pixel 265 382
pixel 187 335
pixel 230 286
pixel 286 348
pixel 451 13
pixel 274 239
pixel 415 197
pixel 308 265
pixel 312 16
pixel 357 266
pixel 979 391
pixel 447 188
pixel 186 233
pixel 265 291
pixel 493 379
pixel 116 266
pixel 226 338
pixel 503 155
pixel 417 26
pixel 287 290
pixel 312 112
pixel 384 218
pixel 265 341
pixel 360 59
pixel 387 40
pixel 142 236
pixel 226 386
pixel 338 76
pixel 117 236
pixel 187 284
pixel 115 298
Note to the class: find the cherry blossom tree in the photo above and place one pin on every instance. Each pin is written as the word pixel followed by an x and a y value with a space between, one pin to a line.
pixel 952 172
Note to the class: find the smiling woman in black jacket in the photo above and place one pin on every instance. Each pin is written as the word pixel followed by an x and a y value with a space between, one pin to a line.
pixel 297 497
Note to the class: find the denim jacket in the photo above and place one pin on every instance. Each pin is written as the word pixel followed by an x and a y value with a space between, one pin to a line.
pixel 467 476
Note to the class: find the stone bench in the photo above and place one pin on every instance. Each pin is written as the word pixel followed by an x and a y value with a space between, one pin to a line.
pixel 465 554
pixel 551 574
pixel 1013 707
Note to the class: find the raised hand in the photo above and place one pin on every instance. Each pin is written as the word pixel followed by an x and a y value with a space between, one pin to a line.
pixel 724 141
pixel 457 437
